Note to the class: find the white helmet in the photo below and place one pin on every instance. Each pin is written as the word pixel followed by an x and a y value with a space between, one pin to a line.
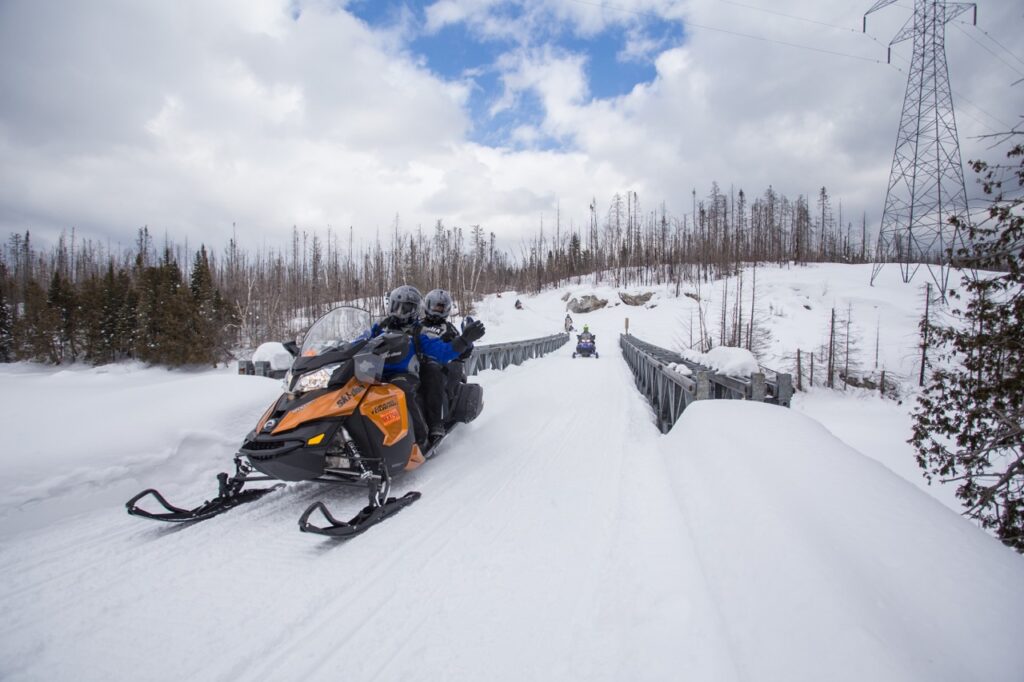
pixel 404 303
pixel 437 303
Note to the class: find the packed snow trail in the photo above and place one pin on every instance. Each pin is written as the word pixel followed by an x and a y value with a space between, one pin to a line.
pixel 559 536
pixel 528 557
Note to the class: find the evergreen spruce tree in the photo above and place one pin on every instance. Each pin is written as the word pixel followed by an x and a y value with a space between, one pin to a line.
pixel 36 328
pixel 6 330
pixel 969 421
pixel 90 299
pixel 123 328
pixel 63 302
pixel 206 322
pixel 164 315
pixel 107 316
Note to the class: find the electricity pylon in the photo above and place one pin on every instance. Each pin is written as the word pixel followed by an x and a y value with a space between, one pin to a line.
pixel 926 183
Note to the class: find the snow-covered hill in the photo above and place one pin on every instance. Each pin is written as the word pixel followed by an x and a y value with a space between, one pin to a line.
pixel 559 536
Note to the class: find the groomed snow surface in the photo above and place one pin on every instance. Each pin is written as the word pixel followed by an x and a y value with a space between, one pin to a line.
pixel 560 536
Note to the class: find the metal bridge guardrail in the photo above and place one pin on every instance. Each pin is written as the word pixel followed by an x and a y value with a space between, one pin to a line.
pixel 671 392
pixel 501 355
pixel 488 356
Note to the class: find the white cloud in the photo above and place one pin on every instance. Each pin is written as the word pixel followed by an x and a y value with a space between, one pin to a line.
pixel 189 117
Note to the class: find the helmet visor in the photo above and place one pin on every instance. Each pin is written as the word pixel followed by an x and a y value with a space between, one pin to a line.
pixel 404 309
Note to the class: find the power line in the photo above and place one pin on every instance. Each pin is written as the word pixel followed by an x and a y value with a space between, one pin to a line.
pixel 790 16
pixel 687 23
pixel 1003 47
pixel 782 42
pixel 692 24
pixel 979 44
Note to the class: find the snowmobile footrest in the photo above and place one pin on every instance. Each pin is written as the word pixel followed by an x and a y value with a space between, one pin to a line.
pixel 370 516
pixel 208 509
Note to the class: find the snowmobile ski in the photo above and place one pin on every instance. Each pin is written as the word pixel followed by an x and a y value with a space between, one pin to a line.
pixel 230 496
pixel 370 516
pixel 434 448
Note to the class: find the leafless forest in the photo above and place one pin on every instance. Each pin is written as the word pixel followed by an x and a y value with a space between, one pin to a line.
pixel 176 304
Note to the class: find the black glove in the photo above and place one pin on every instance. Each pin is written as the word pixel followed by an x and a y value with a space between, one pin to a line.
pixel 473 331
pixel 470 333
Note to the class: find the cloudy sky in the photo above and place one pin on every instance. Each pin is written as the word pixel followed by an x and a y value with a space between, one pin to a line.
pixel 194 116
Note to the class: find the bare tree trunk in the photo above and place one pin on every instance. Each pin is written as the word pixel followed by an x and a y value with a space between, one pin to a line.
pixel 753 299
pixel 831 350
pixel 799 371
pixel 925 328
pixel 846 350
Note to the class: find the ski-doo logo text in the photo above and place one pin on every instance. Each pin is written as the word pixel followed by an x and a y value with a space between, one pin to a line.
pixel 349 395
pixel 377 409
pixel 387 412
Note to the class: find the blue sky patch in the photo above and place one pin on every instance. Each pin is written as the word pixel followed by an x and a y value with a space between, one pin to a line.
pixel 458 52
pixel 381 13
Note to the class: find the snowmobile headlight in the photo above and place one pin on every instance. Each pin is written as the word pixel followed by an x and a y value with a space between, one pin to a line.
pixel 315 380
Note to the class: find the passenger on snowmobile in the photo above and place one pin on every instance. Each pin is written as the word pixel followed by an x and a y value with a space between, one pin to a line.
pixel 437 306
pixel 403 306
pixel 439 383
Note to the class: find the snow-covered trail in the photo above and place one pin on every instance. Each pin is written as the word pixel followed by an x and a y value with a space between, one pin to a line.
pixel 528 557
pixel 559 536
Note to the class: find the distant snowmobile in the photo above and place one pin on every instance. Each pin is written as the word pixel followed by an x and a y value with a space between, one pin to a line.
pixel 586 346
pixel 337 423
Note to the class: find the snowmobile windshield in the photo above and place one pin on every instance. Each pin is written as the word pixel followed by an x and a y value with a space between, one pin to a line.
pixel 334 329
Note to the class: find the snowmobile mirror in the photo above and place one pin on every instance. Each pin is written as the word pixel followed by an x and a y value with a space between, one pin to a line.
pixel 292 348
pixel 369 367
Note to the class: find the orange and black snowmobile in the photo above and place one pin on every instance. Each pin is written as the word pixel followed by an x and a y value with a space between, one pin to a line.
pixel 338 422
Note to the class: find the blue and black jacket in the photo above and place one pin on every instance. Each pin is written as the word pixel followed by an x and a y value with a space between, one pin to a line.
pixel 426 345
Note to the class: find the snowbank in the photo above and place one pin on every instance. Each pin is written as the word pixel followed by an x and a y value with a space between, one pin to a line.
pixel 274 353
pixel 827 566
pixel 732 362
pixel 87 429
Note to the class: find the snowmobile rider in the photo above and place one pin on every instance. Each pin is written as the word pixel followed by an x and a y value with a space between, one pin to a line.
pixel 568 324
pixel 440 382
pixel 403 308
pixel 586 335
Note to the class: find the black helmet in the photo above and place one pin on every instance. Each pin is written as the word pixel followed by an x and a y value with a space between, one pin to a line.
pixel 437 303
pixel 404 303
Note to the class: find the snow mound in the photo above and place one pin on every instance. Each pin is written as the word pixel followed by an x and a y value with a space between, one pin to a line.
pixel 866 571
pixel 274 353
pixel 732 362
pixel 680 368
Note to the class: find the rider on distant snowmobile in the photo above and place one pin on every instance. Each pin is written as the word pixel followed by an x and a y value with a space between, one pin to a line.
pixel 585 343
pixel 403 307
